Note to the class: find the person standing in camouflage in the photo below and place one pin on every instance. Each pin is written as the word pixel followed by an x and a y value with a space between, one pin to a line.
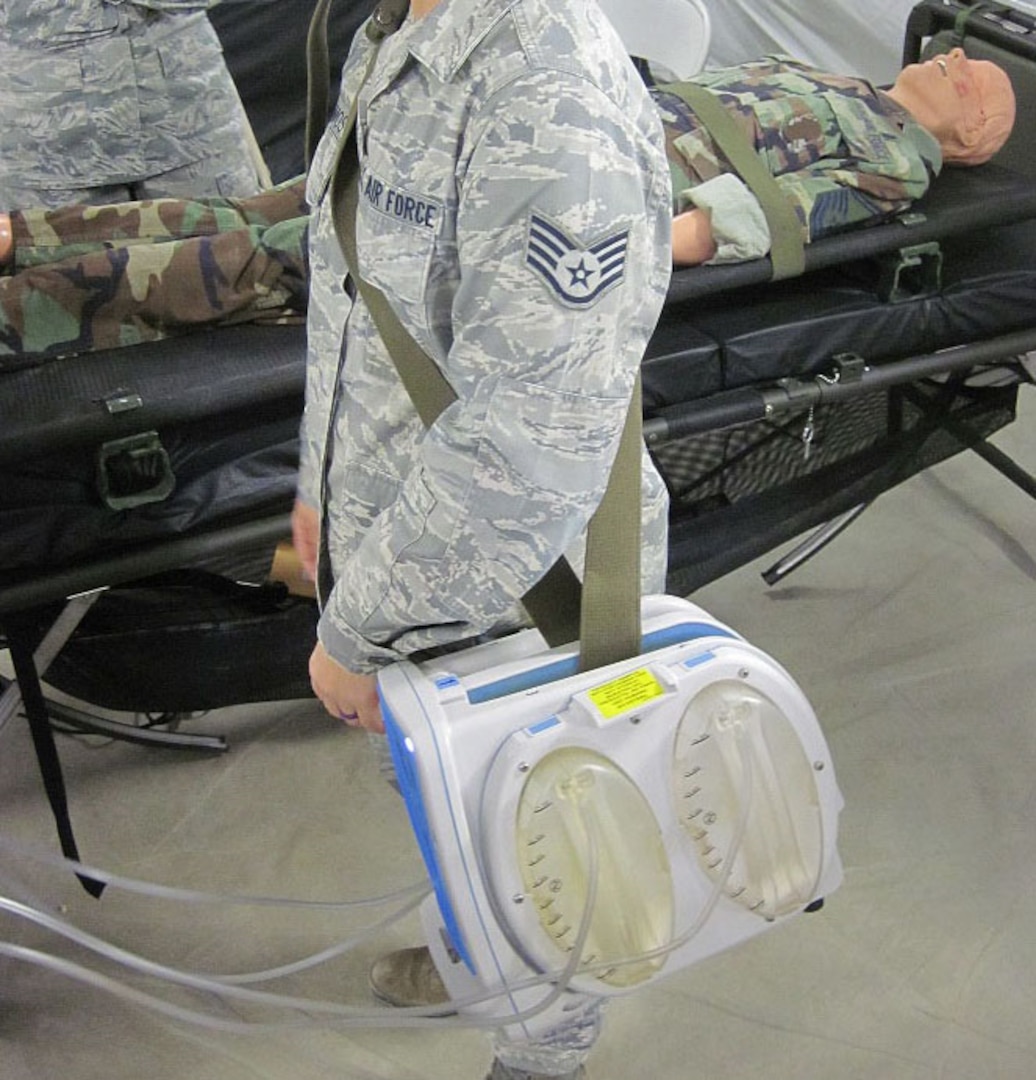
pixel 515 211
pixel 842 152
pixel 107 100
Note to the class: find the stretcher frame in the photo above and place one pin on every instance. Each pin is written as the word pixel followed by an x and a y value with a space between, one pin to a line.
pixel 963 204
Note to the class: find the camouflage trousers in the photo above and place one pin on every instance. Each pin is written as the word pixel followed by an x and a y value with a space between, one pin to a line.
pixel 96 277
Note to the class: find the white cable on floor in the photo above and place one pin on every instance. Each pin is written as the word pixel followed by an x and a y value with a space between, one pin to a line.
pixel 328 1012
pixel 194 896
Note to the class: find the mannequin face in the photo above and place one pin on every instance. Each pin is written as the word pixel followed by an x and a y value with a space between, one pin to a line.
pixel 943 94
pixel 966 104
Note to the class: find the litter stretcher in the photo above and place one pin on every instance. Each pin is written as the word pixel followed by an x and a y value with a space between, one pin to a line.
pixel 773 407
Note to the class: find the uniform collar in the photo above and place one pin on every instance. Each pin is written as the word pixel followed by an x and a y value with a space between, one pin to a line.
pixel 449 33
pixel 926 144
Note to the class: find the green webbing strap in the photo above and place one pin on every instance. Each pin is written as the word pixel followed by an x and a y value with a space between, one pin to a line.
pixel 787 252
pixel 610 626
pixel 603 613
pixel 596 613
pixel 960 23
pixel 318 78
pixel 385 19
pixel 553 604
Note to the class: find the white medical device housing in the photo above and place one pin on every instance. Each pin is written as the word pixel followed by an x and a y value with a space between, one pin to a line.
pixel 647 814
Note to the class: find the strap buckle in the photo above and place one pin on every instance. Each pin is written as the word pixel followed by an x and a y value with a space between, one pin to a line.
pixel 387 18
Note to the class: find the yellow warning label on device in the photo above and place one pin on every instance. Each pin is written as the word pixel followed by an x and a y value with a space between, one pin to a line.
pixel 629 692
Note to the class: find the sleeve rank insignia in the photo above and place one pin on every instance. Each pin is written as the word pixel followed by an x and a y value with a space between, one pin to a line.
pixel 578 275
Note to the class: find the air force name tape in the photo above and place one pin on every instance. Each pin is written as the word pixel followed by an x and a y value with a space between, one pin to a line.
pixel 404 207
pixel 578 275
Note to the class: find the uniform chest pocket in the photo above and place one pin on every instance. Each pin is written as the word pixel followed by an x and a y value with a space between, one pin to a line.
pixel 800 131
pixel 50 23
pixel 396 232
pixel 866 135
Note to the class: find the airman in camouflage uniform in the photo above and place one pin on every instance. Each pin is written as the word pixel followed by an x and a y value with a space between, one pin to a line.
pixel 98 277
pixel 842 152
pixel 515 210
pixel 104 100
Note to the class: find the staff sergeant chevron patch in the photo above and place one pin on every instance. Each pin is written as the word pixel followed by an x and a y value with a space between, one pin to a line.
pixel 577 275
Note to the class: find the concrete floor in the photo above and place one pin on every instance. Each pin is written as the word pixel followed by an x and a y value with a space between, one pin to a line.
pixel 912 636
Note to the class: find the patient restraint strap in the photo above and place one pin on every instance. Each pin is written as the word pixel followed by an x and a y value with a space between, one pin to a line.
pixel 787 251
pixel 604 612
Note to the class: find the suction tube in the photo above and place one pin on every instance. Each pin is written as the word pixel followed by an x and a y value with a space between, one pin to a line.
pixel 194 896
pixel 312 1013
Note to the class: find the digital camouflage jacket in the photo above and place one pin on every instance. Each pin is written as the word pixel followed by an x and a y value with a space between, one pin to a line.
pixel 99 93
pixel 515 211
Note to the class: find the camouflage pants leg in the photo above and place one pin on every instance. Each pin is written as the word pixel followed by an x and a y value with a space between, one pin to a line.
pixel 90 278
pixel 45 236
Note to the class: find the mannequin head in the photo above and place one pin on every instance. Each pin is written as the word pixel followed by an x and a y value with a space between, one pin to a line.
pixel 968 105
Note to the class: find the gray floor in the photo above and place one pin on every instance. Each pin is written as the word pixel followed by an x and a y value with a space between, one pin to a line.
pixel 913 638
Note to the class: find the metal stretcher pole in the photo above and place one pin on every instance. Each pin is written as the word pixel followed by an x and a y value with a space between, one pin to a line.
pixel 851 377
pixel 144 561
pixel 750 404
pixel 992 455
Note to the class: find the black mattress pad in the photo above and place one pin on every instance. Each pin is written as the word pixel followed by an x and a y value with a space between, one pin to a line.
pixel 108 452
pixel 973 239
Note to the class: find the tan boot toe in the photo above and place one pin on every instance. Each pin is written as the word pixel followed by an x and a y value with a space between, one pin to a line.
pixel 407 978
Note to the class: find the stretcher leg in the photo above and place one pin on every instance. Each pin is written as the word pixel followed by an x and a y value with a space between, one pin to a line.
pixel 812 544
pixel 1007 466
pixel 87 723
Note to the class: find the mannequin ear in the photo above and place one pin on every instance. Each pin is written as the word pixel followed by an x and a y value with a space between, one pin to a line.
pixel 969 130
